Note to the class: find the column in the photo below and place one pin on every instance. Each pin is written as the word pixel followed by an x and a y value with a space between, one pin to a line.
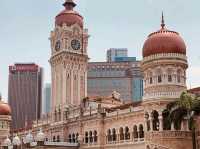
pixel 145 122
pixel 187 125
pixel 172 126
pixel 78 87
pixel 183 125
pixel 160 122
pixel 160 117
pixel 151 123
pixel 71 86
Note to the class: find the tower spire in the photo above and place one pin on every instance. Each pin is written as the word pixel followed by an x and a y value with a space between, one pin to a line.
pixel 69 4
pixel 162 21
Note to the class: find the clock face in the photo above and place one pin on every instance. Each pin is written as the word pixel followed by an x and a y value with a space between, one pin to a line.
pixel 75 44
pixel 58 45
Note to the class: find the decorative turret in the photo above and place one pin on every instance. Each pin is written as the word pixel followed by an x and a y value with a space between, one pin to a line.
pixel 164 41
pixel 164 64
pixel 69 16
pixel 5 119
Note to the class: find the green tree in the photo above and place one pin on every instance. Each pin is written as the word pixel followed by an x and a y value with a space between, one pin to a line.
pixel 187 106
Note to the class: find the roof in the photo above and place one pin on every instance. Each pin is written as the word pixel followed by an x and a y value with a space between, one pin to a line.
pixel 124 106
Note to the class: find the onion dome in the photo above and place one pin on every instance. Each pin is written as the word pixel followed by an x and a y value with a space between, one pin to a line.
pixel 16 140
pixel 7 142
pixel 164 41
pixel 69 16
pixel 4 108
pixel 28 138
pixel 40 136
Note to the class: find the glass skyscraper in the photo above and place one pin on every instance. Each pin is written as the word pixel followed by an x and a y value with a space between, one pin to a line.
pixel 123 77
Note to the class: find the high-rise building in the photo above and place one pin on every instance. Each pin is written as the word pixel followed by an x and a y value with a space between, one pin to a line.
pixel 24 93
pixel 113 53
pixel 123 77
pixel 46 102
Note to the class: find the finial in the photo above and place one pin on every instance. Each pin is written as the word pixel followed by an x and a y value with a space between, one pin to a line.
pixel 69 4
pixel 163 21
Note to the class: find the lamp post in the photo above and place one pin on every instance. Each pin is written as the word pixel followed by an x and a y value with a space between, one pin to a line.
pixel 28 139
pixel 40 138
pixel 15 144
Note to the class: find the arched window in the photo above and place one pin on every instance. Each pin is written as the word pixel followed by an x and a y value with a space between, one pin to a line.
pixel 86 137
pixel 77 135
pixel 46 139
pixel 90 137
pixel 121 133
pixel 70 138
pixel 169 75
pixel 179 76
pixel 127 133
pixel 150 76
pixel 58 138
pixel 95 136
pixel 166 120
pixel 155 120
pixel 150 80
pixel 114 135
pixel 73 138
pixel 59 114
pixel 159 74
pixel 54 139
pixel 169 78
pixel 147 121
pixel 159 78
pixel 109 137
pixel 141 131
pixel 135 132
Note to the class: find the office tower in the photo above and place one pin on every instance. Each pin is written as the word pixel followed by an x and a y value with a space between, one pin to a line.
pixel 46 104
pixel 24 93
pixel 123 77
pixel 114 53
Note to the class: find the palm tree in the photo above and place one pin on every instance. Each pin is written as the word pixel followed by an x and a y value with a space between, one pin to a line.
pixel 187 106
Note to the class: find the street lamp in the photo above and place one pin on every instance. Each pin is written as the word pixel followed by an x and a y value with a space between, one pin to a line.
pixel 28 139
pixel 15 144
pixel 40 138
pixel 7 142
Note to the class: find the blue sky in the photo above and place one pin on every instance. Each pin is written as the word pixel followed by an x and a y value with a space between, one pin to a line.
pixel 25 26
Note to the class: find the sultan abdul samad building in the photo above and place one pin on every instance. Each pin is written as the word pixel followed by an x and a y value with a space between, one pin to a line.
pixel 78 121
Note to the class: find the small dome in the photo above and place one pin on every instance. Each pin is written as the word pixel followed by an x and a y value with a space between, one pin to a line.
pixel 69 16
pixel 28 138
pixel 164 41
pixel 16 140
pixel 4 108
pixel 40 136
pixel 7 142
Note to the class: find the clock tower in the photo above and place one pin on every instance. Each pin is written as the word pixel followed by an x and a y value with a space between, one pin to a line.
pixel 68 60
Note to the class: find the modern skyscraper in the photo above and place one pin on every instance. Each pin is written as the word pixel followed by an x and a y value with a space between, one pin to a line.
pixel 46 104
pixel 123 77
pixel 24 93
pixel 114 53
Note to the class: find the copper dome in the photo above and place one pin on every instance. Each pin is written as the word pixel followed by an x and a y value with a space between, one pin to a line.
pixel 4 109
pixel 69 16
pixel 164 41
